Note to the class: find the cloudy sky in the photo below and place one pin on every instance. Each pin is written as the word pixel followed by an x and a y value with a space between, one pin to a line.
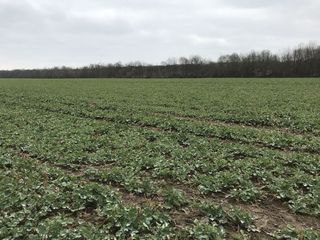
pixel 46 33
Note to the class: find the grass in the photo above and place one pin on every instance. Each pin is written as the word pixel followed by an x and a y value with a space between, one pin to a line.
pixel 160 159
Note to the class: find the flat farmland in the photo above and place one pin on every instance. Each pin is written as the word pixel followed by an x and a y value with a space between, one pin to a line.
pixel 160 158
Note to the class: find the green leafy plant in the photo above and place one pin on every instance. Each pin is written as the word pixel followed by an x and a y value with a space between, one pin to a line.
pixel 175 198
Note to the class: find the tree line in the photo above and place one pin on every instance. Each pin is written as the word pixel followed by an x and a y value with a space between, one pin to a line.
pixel 303 61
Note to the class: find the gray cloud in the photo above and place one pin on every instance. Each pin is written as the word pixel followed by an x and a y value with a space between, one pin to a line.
pixel 45 33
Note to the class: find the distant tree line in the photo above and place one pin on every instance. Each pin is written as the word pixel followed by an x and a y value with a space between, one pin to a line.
pixel 303 61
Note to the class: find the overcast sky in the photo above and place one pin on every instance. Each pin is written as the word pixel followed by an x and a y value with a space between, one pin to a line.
pixel 46 33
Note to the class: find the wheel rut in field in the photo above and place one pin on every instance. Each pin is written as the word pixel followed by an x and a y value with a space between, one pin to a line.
pixel 152 127
pixel 225 122
pixel 236 123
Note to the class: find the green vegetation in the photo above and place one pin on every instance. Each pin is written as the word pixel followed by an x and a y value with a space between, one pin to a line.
pixel 160 159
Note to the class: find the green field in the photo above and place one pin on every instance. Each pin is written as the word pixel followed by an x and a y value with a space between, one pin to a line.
pixel 160 159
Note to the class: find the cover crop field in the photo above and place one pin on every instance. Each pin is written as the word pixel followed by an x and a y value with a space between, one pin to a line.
pixel 160 159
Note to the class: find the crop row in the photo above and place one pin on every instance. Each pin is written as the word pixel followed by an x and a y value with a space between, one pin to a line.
pixel 242 172
pixel 46 202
